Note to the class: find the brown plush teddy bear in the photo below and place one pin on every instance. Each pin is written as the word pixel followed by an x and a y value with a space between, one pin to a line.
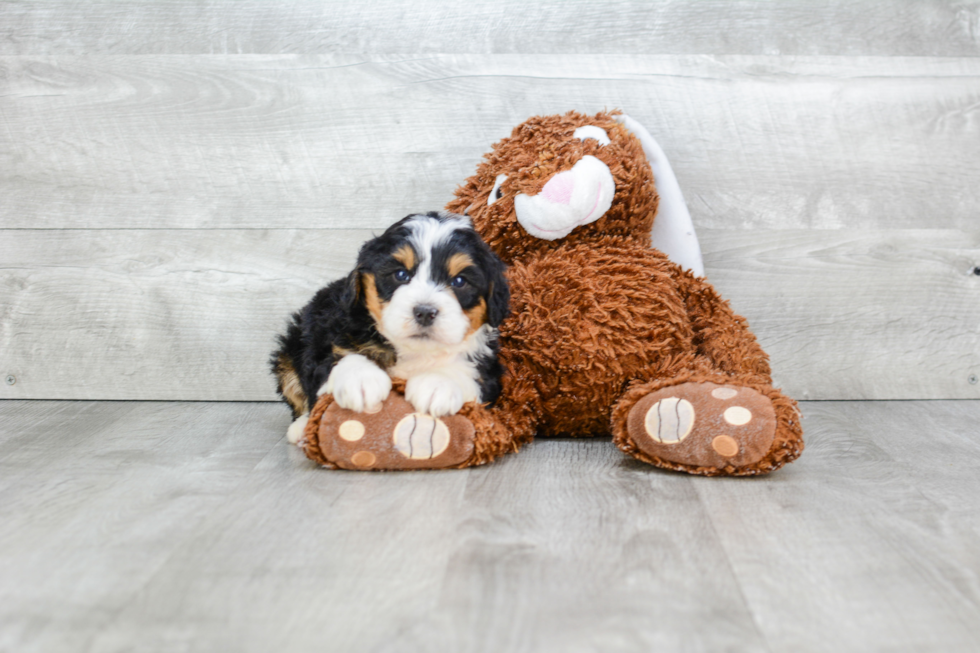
pixel 606 335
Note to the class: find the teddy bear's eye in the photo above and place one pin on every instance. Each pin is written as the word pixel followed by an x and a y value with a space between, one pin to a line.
pixel 496 193
pixel 593 132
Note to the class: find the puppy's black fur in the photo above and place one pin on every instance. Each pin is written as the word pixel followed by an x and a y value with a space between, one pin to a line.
pixel 337 321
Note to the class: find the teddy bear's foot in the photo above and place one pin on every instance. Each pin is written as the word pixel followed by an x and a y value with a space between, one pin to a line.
pixel 394 437
pixel 704 425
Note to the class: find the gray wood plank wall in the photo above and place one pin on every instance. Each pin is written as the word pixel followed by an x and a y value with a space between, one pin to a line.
pixel 177 177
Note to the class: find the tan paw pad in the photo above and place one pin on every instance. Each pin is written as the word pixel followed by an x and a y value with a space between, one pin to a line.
pixel 420 437
pixel 724 393
pixel 670 420
pixel 725 445
pixel 363 459
pixel 351 430
pixel 737 415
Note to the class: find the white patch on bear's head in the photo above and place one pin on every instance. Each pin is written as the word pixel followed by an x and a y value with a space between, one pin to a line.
pixel 495 192
pixel 593 132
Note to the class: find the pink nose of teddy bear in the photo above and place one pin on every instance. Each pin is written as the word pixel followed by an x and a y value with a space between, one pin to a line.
pixel 559 188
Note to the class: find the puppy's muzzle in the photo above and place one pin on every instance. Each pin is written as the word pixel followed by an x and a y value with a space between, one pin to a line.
pixel 425 314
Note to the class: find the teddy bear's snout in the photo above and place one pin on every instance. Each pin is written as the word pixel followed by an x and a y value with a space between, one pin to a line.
pixel 559 188
pixel 568 200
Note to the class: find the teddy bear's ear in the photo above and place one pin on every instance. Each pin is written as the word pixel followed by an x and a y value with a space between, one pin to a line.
pixel 673 230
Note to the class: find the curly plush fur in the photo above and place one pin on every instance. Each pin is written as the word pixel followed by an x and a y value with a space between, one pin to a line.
pixel 600 319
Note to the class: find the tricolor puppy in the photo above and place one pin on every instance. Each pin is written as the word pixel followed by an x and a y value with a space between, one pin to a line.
pixel 423 304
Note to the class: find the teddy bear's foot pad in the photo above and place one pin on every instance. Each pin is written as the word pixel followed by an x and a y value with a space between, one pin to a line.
pixel 704 424
pixel 395 437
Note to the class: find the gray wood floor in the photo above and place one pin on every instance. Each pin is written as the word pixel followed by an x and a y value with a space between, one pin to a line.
pixel 156 526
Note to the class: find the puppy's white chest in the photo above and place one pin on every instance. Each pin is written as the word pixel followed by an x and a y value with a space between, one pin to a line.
pixel 448 363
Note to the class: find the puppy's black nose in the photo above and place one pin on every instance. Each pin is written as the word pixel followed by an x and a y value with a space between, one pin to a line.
pixel 425 314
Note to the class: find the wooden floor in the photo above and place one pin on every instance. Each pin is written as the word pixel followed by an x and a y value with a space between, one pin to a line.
pixel 165 526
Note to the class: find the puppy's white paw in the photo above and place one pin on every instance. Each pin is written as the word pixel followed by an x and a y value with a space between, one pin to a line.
pixel 434 394
pixel 357 384
pixel 295 430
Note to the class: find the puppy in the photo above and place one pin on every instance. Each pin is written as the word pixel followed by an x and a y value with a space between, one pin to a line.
pixel 422 304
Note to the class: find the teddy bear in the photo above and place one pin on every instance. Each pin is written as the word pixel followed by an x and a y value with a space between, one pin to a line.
pixel 607 336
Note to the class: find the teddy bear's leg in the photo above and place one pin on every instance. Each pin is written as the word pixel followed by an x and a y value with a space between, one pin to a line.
pixel 720 413
pixel 721 338
pixel 710 424
pixel 398 437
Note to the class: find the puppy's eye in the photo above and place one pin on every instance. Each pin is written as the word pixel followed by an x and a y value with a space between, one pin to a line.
pixel 458 282
pixel 496 193
pixel 403 276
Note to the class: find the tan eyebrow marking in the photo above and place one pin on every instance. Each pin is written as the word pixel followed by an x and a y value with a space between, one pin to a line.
pixel 406 256
pixel 457 263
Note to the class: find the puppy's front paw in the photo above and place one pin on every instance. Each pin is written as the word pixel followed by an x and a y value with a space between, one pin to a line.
pixel 295 431
pixel 357 385
pixel 434 394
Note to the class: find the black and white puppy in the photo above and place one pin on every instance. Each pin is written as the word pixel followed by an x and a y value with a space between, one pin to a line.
pixel 422 304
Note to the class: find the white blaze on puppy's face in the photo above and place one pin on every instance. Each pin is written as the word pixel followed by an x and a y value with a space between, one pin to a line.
pixel 400 321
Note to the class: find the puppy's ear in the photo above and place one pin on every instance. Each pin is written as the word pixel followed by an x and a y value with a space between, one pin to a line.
pixel 351 296
pixel 498 299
